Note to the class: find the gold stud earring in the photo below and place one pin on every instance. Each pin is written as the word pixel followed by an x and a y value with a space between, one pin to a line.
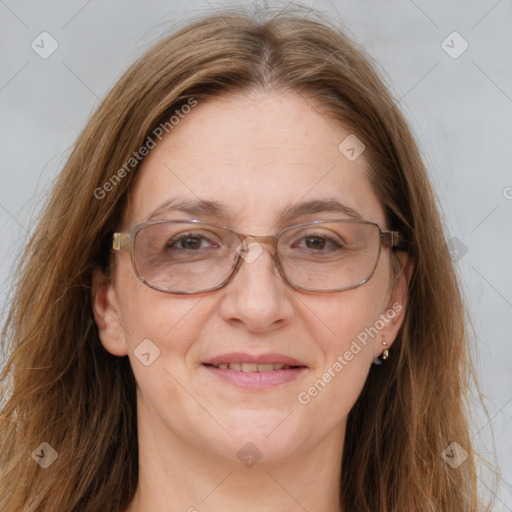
pixel 383 356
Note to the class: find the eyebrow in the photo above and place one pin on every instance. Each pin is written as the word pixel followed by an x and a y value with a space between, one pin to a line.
pixel 195 208
pixel 214 209
pixel 320 206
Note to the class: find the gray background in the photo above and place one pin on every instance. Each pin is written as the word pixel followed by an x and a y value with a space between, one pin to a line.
pixel 459 108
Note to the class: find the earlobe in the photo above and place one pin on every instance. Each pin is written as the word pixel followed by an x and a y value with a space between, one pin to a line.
pixel 106 314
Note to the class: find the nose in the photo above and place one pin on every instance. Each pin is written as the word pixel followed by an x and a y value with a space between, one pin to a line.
pixel 257 297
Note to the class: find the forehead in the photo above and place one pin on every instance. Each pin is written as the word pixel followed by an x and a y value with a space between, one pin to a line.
pixel 255 156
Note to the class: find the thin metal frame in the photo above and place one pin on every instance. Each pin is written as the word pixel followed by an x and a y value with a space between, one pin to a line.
pixel 125 242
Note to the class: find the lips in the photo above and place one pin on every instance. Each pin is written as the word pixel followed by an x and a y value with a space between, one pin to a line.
pixel 255 372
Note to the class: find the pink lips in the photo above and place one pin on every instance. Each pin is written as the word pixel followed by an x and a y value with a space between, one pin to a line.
pixel 287 369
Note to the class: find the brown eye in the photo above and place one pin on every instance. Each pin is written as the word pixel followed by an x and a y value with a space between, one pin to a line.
pixel 190 243
pixel 315 242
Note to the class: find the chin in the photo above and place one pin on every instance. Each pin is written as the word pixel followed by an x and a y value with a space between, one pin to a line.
pixel 272 432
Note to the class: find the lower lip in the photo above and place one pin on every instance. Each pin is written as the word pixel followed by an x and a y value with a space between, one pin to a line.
pixel 256 380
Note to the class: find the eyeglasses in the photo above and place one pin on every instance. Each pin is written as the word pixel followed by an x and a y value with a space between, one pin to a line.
pixel 191 256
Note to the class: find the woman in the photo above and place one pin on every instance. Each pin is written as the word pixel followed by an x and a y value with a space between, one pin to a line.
pixel 239 294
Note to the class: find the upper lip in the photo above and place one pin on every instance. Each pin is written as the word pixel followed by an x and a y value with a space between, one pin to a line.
pixel 240 357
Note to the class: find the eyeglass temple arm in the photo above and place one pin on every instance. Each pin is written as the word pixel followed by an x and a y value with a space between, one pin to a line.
pixel 122 242
pixel 393 238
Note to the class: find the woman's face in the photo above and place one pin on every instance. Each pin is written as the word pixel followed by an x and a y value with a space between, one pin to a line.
pixel 255 156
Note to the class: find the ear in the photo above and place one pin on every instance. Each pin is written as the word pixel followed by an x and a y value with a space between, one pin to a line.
pixel 395 305
pixel 106 313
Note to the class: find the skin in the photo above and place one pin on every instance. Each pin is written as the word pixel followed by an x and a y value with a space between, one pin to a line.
pixel 256 154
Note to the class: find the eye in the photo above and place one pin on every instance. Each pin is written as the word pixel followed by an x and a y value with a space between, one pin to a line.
pixel 317 243
pixel 190 242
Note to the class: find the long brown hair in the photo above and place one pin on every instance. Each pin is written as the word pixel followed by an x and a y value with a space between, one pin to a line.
pixel 60 386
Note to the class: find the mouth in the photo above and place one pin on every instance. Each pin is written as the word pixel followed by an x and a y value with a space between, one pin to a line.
pixel 253 367
pixel 255 372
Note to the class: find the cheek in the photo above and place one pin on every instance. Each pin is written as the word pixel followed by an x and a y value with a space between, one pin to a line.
pixel 345 327
pixel 339 319
pixel 341 328
pixel 161 331
pixel 171 322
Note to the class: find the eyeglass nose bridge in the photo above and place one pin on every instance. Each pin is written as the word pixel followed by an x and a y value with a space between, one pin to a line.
pixel 247 240
pixel 244 255
pixel 260 239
